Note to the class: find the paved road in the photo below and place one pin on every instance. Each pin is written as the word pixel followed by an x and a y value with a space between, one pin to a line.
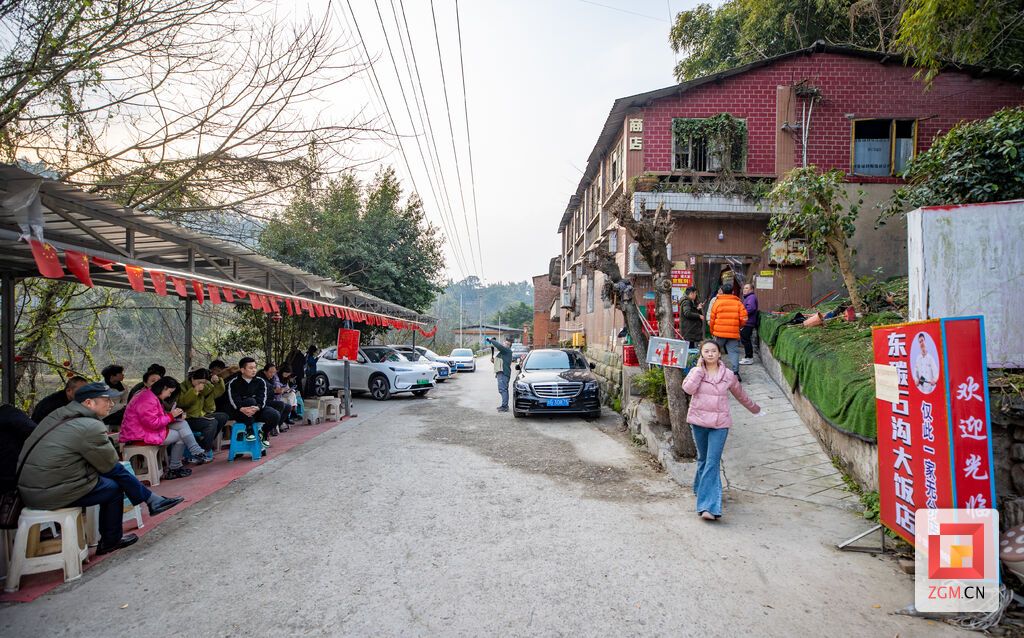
pixel 439 516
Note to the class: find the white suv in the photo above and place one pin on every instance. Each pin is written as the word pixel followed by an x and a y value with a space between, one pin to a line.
pixel 379 370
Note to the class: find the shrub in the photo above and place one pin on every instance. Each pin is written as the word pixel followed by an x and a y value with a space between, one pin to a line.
pixel 651 384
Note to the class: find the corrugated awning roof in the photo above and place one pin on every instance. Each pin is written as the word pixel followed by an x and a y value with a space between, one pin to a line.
pixel 76 220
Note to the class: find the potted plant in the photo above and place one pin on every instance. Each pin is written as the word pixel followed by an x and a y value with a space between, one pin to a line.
pixel 645 182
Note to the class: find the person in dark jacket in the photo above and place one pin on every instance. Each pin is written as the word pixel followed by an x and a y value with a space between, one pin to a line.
pixel 74 464
pixel 153 373
pixel 113 376
pixel 691 321
pixel 248 395
pixel 15 427
pixel 58 399
pixel 747 331
pixel 296 362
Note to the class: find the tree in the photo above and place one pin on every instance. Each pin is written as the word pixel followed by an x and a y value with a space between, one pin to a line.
pixel 980 161
pixel 515 315
pixel 818 208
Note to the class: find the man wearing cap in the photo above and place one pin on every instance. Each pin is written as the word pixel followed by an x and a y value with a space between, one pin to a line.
pixel 74 464
pixel 502 368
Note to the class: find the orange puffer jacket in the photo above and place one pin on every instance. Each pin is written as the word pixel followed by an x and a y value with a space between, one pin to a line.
pixel 727 316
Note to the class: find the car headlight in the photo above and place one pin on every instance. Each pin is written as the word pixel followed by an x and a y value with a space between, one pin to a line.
pixel 522 387
pixel 590 385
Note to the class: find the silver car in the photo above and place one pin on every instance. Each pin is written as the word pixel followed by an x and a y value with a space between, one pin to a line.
pixel 378 370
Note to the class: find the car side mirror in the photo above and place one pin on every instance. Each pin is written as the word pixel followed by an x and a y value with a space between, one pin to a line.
pixel 519 367
pixel 593 366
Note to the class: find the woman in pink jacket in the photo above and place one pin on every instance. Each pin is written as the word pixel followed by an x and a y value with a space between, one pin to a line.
pixel 146 422
pixel 709 384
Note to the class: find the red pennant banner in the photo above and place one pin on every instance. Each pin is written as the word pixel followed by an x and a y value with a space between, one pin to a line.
pixel 255 301
pixel 228 295
pixel 197 287
pixel 309 308
pixel 159 281
pixel 47 261
pixel 241 294
pixel 288 306
pixel 105 264
pixel 319 310
pixel 78 265
pixel 135 279
pixel 265 303
pixel 179 286
pixel 214 294
pixel 273 303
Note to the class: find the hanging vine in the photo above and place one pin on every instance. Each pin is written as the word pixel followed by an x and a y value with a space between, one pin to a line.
pixel 724 135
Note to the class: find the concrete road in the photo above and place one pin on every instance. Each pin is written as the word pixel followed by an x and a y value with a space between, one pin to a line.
pixel 441 517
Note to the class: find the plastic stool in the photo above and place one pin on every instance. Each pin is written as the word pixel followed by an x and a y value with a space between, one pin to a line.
pixel 155 457
pixel 311 416
pixel 66 553
pixel 240 446
pixel 223 439
pixel 330 409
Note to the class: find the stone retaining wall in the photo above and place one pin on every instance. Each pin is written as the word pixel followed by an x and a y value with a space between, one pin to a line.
pixel 608 368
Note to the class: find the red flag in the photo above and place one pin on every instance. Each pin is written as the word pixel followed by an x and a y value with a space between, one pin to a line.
pixel 179 286
pixel 255 301
pixel 46 258
pixel 265 303
pixel 242 294
pixel 214 294
pixel 135 273
pixel 197 287
pixel 229 296
pixel 105 264
pixel 288 306
pixel 159 281
pixel 273 304
pixel 319 310
pixel 78 265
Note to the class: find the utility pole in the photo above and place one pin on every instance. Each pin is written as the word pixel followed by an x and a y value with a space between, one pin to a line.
pixel 480 322
pixel 460 320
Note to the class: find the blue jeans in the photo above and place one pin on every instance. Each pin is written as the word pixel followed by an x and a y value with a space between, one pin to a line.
pixel 502 387
pixel 707 485
pixel 731 348
pixel 109 493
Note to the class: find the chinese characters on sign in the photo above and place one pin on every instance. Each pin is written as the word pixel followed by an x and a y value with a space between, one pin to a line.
pixel 681 280
pixel 933 439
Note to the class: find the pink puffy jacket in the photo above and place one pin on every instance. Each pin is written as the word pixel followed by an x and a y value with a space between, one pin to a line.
pixel 709 396
pixel 145 420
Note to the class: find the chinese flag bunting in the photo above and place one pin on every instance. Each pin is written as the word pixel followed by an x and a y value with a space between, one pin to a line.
pixel 78 265
pixel 273 303
pixel 105 264
pixel 242 294
pixel 135 279
pixel 46 258
pixel 288 306
pixel 159 281
pixel 228 295
pixel 255 301
pixel 319 310
pixel 214 294
pixel 197 287
pixel 265 303
pixel 179 286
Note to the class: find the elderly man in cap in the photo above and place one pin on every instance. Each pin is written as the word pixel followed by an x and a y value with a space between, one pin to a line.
pixel 69 461
pixel 502 368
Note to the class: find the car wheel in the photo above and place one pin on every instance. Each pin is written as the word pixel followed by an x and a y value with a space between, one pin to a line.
pixel 380 389
pixel 321 386
pixel 420 393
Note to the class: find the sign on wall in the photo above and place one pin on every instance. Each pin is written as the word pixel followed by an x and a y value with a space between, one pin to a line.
pixel 681 280
pixel 934 445
pixel 348 344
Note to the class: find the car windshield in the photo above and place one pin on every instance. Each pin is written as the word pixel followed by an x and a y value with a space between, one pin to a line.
pixel 554 360
pixel 462 352
pixel 430 354
pixel 379 355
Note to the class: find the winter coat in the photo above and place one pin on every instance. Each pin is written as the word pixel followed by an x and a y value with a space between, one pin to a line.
pixel 248 394
pixel 15 427
pixel 727 317
pixel 145 420
pixel 66 464
pixel 709 396
pixel 199 404
pixel 48 404
pixel 691 323
pixel 750 304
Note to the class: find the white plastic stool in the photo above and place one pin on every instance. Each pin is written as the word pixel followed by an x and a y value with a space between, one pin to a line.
pixel 311 416
pixel 28 557
pixel 330 409
pixel 155 457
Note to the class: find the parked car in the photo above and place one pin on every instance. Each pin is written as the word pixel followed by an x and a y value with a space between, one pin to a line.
pixel 433 356
pixel 464 359
pixel 442 370
pixel 519 351
pixel 556 381
pixel 378 370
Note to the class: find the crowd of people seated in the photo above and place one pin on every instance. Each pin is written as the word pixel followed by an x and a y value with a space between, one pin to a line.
pixel 65 455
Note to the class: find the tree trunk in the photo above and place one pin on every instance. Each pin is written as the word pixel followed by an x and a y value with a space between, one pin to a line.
pixel 844 263
pixel 678 401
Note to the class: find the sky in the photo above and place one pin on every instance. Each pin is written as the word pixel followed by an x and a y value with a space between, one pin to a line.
pixel 541 76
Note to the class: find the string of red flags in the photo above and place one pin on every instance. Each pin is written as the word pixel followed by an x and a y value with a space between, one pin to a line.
pixel 78 264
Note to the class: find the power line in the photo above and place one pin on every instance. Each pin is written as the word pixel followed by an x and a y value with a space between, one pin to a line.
pixel 451 129
pixel 469 143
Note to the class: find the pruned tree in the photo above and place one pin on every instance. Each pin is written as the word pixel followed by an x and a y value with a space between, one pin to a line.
pixel 817 207
pixel 619 292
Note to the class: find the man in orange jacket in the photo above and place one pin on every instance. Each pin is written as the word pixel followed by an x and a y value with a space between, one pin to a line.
pixel 727 317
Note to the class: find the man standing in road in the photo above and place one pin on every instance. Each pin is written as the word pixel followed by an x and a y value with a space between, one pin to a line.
pixel 727 316
pixel 504 356
pixel 747 331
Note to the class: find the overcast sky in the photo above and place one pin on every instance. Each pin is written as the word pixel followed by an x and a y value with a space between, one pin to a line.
pixel 541 76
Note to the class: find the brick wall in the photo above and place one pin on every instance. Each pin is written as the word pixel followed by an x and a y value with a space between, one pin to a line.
pixel 545 331
pixel 849 85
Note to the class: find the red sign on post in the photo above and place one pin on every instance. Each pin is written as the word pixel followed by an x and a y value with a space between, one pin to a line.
pixel 925 460
pixel 348 344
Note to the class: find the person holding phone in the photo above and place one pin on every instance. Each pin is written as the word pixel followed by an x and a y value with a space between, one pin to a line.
pixel 147 422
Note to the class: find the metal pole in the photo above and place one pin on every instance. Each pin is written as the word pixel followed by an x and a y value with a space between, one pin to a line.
pixel 480 321
pixel 188 334
pixel 9 385
pixel 347 385
pixel 460 320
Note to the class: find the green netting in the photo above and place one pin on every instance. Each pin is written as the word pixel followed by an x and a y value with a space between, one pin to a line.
pixel 831 365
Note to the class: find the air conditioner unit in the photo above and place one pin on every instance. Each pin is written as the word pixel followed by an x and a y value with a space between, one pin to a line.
pixel 635 264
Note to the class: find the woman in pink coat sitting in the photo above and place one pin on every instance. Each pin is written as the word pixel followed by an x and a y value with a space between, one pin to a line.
pixel 709 384
pixel 146 422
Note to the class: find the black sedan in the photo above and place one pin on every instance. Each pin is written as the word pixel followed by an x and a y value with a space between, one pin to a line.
pixel 556 382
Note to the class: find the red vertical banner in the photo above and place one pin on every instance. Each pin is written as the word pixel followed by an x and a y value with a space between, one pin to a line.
pixel 348 344
pixel 969 416
pixel 913 435
pixel 78 265
pixel 135 279
pixel 159 281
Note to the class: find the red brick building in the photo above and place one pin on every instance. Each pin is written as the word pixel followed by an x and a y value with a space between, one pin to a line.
pixel 545 312
pixel 860 112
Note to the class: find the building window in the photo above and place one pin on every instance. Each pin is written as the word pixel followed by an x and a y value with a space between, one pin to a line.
pixel 693 152
pixel 616 164
pixel 883 147
pixel 613 242
pixel 590 293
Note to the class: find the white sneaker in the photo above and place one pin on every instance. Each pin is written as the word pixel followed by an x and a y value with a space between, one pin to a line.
pixel 746 362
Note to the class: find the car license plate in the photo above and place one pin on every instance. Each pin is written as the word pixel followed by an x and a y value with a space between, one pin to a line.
pixel 426 381
pixel 558 403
